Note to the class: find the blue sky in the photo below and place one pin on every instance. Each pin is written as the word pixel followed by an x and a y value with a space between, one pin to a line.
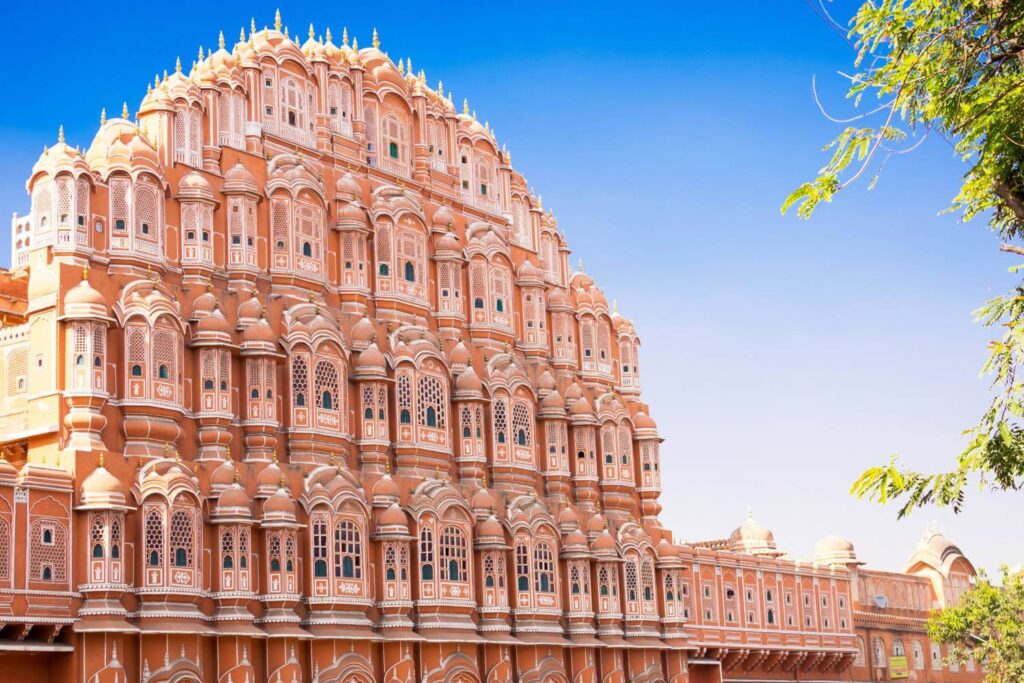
pixel 780 357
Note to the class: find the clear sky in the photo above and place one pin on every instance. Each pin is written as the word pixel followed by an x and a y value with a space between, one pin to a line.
pixel 780 357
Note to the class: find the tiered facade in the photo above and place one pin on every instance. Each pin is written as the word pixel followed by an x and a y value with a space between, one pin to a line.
pixel 298 386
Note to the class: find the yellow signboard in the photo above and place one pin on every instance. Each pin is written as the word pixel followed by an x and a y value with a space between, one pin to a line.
pixel 898 668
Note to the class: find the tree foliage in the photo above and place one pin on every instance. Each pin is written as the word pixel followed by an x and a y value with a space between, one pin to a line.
pixel 988 626
pixel 952 68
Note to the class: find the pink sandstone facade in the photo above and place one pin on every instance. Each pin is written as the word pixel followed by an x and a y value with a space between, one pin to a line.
pixel 298 386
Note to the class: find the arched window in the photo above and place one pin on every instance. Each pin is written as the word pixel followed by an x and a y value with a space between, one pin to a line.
pixel 348 562
pixel 227 549
pixel 410 272
pixel 522 566
pixel 454 554
pixel 154 538
pixel 181 539
pixel 543 568
pixel 320 546
pixel 426 554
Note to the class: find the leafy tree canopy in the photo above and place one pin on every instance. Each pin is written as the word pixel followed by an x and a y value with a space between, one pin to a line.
pixel 953 68
pixel 987 626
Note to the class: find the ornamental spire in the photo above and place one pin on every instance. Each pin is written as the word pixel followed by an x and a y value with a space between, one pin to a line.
pixel 465 106
pixel 103 116
pixel 311 31
pixel 344 36
pixel 252 25
pixel 328 34
pixel 177 65
pixel 220 41
pixel 376 39
pixel 60 134
pixel 200 53
pixel 124 110
pixel 277 20
pixel 241 35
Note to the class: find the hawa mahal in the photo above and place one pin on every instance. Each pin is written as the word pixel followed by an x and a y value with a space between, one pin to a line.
pixel 298 386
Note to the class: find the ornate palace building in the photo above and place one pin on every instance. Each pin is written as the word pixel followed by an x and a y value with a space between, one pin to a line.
pixel 298 385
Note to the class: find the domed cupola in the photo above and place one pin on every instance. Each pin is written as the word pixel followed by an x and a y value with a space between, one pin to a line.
pixel 370 364
pixel 834 551
pixel 233 505
pixel 385 492
pixel 468 386
pixel 279 510
pixel 269 479
pixel 84 302
pixel 392 523
pixel 101 490
pixel 753 538
pixel 363 334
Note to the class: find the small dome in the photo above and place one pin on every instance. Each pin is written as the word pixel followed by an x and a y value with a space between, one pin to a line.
pixel 321 324
pixel 595 524
pixel 259 333
pixel 213 324
pixel 553 402
pixel 568 517
pixel 100 490
pixel 239 180
pixel 371 361
pixel 834 550
pixel 582 407
pixel 280 506
pixel 546 381
pixel 223 476
pixel 347 188
pixel 642 420
pixel 529 274
pixel 385 488
pixel 483 500
pixel 194 187
pixel 83 294
pixel 666 549
pixel 558 299
pixel 448 241
pixel 363 333
pixel 234 500
pixel 251 308
pixel 393 517
pixel 269 479
pixel 605 542
pixel 490 528
pixel 753 538
pixel 468 382
pixel 443 219
pixel 459 355
pixel 204 303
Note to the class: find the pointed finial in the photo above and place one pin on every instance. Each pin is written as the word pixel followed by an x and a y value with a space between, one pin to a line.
pixel 200 53
pixel 241 35
pixel 376 38
pixel 312 32
pixel 344 35
pixel 286 32
pixel 220 41
pixel 103 116
pixel 238 476
pixel 615 305
pixel 581 265
pixel 177 65
pixel 401 68
pixel 101 458
pixel 465 106
pixel 328 34
pixel 284 482
pixel 440 89
pixel 422 77
pixel 408 66
pixel 540 202
pixel 156 80
pixel 124 110
pixel 277 20
pixel 252 25
pixel 85 272
pixel 355 44
pixel 60 133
